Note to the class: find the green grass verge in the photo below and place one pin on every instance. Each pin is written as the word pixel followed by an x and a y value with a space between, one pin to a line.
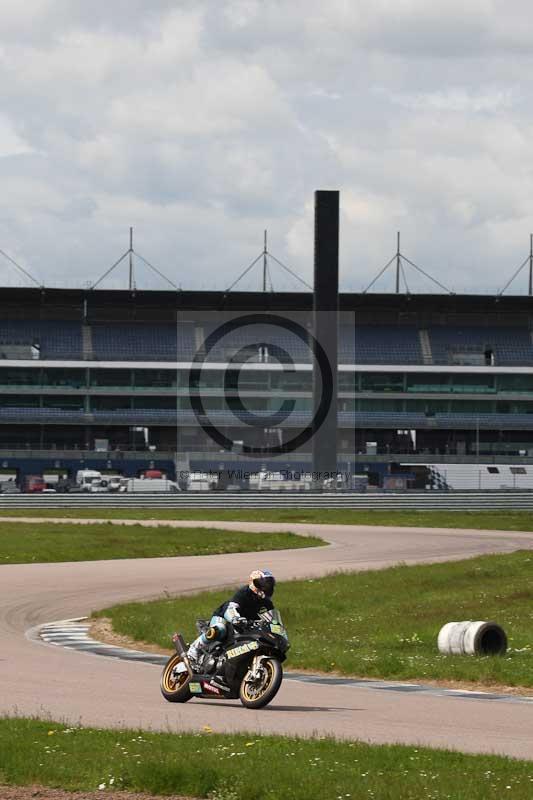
pixel 381 623
pixel 489 520
pixel 23 543
pixel 240 767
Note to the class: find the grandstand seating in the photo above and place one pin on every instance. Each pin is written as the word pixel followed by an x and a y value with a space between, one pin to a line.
pixel 55 340
pixel 347 419
pixel 362 344
pixel 281 345
pixel 123 342
pixel 510 345
pixel 383 344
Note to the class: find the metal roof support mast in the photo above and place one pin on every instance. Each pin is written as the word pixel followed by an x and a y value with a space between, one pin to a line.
pixel 528 260
pixel 265 264
pixel 131 260
pixel 398 263
pixel 400 259
pixel 130 253
pixel 264 255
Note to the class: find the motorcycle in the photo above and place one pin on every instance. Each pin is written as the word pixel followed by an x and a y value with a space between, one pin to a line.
pixel 247 665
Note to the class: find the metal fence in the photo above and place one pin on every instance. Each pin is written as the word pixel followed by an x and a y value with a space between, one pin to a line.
pixel 460 501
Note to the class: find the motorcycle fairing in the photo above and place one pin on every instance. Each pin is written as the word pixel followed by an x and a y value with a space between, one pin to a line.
pixel 242 649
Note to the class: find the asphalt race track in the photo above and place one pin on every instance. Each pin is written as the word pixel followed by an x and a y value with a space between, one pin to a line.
pixel 49 681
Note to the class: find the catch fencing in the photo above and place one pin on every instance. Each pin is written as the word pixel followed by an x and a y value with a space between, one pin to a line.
pixel 454 500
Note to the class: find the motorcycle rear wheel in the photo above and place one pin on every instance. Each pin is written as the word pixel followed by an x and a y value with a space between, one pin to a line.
pixel 259 694
pixel 175 686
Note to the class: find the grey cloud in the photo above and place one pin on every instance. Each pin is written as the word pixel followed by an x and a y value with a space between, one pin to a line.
pixel 202 123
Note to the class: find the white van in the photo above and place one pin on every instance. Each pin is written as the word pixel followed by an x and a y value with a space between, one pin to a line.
pixel 86 477
pixel 151 485
pixel 201 482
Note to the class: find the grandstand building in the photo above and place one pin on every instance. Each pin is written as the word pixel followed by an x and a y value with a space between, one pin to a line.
pixel 102 379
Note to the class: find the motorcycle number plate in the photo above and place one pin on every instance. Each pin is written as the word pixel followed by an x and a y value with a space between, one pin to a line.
pixel 195 688
pixel 275 628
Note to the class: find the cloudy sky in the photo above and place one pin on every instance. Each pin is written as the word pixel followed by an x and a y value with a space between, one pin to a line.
pixel 201 123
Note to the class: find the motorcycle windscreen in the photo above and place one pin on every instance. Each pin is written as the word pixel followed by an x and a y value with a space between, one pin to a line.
pixel 273 618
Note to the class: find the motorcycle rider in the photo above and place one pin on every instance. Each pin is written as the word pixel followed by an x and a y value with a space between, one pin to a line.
pixel 246 605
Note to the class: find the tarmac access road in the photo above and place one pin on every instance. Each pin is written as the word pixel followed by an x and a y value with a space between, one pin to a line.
pixel 66 685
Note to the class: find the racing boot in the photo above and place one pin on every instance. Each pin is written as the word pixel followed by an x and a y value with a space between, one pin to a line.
pixel 195 653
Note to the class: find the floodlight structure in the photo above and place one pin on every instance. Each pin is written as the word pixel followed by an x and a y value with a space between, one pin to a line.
pixel 399 259
pixel 131 254
pixel 264 257
pixel 21 269
pixel 529 262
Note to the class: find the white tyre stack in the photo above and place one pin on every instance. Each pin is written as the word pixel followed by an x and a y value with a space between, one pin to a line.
pixel 472 639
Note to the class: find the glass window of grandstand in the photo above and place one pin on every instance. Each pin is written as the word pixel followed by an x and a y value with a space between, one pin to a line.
pixel 20 377
pixel 209 403
pixel 381 405
pixel 208 379
pixel 212 403
pixel 514 407
pixel 515 383
pixel 381 382
pixel 22 437
pixel 471 407
pixel 59 437
pixel 472 384
pixel 64 378
pixel 110 377
pixel 156 378
pixel 15 401
pixel 428 407
pixel 347 404
pixel 298 404
pixel 66 403
pixel 249 403
pixel 165 403
pixel 110 403
pixel 347 381
pixel 250 379
pixel 267 406
pixel 290 381
pixel 427 382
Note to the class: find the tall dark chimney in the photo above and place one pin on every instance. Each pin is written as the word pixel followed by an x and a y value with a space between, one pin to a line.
pixel 326 322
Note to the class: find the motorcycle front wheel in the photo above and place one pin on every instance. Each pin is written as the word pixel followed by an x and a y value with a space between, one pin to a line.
pixel 258 693
pixel 175 685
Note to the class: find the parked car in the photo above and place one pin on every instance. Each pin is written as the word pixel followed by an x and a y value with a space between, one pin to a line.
pixel 34 483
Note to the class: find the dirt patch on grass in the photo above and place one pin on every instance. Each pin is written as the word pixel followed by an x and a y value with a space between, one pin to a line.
pixel 526 691
pixel 102 630
pixel 40 793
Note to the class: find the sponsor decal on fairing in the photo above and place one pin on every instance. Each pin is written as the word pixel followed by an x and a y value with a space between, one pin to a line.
pixel 242 649
pixel 210 688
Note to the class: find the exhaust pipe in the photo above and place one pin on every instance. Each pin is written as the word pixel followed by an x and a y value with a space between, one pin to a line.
pixel 181 649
